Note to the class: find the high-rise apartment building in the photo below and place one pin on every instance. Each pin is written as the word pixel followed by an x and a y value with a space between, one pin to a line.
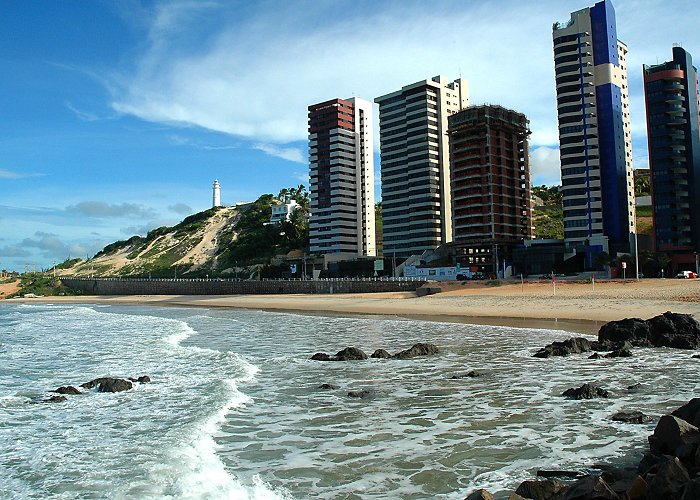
pixel 490 178
pixel 416 208
pixel 671 91
pixel 594 132
pixel 341 164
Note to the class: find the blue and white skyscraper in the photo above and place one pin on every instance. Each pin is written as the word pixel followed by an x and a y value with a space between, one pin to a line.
pixel 594 132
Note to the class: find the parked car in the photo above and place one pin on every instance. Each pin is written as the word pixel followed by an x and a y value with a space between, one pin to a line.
pixel 686 275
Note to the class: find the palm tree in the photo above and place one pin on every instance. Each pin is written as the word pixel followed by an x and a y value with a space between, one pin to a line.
pixel 664 260
pixel 284 195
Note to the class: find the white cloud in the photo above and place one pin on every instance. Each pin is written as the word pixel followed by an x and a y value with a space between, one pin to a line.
pixel 180 208
pixel 289 154
pixel 8 174
pixel 102 209
pixel 254 74
pixel 82 115
pixel 255 78
pixel 545 166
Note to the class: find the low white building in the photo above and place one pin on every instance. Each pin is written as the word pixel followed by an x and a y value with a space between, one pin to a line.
pixel 283 211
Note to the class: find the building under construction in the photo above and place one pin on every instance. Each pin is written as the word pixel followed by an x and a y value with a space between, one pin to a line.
pixel 490 179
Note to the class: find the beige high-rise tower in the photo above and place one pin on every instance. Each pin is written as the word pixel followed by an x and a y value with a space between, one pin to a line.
pixel 415 164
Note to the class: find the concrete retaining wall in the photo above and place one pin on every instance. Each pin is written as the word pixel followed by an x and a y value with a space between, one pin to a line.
pixel 130 286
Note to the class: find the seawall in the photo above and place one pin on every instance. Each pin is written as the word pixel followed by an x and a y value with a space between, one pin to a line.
pixel 137 286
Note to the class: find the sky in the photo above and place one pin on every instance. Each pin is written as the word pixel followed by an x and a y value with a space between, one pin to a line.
pixel 116 116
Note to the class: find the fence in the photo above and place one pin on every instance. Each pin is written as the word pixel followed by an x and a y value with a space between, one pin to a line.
pixel 138 286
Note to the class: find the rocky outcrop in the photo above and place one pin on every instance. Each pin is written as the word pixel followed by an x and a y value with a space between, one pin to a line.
pixel 544 489
pixel 380 354
pixel 680 331
pixel 690 412
pixel 619 353
pixel 353 353
pixel 112 384
pixel 350 354
pixel 479 495
pixel 68 389
pixel 347 354
pixel 321 356
pixel 109 384
pixel 56 399
pixel 328 386
pixel 469 374
pixel 574 345
pixel 586 391
pixel 361 394
pixel 420 349
pixel 671 435
pixel 631 417
pixel 671 470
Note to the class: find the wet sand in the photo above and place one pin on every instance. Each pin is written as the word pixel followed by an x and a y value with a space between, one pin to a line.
pixel 571 306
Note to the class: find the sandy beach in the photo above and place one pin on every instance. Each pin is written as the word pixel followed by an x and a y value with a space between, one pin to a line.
pixel 572 306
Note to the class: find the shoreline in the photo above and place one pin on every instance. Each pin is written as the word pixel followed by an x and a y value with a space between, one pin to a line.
pixel 572 307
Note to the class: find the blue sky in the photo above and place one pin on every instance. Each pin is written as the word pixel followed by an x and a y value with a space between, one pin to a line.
pixel 116 116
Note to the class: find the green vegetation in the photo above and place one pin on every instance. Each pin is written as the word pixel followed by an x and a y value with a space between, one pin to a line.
pixel 642 184
pixel 66 264
pixel 548 219
pixel 257 241
pixel 41 284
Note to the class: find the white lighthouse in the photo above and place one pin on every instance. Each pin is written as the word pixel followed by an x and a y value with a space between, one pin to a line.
pixel 217 194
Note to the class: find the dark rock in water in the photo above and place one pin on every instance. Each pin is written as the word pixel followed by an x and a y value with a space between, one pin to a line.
pixel 620 353
pixel 68 389
pixel 350 354
pixel 680 331
pixel 648 464
pixel 56 399
pixel 328 386
pixel 361 394
pixel 321 356
pixel 695 356
pixel 566 474
pixel 634 330
pixel 671 433
pixel 692 490
pixel 595 356
pixel 631 417
pixel 574 345
pixel 471 374
pixel 637 489
pixel 634 387
pixel 109 384
pixel 609 345
pixel 479 495
pixel 669 480
pixel 544 489
pixel 590 487
pixel 586 391
pixel 380 354
pixel 420 349
pixel 145 379
pixel 675 330
pixel 690 412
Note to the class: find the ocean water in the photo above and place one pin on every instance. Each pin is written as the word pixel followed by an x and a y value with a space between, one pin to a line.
pixel 234 409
